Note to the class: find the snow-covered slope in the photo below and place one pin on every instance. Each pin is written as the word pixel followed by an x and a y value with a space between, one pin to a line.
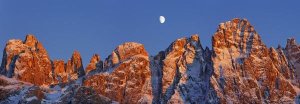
pixel 18 92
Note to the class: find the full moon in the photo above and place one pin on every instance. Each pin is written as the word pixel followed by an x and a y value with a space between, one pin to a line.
pixel 162 19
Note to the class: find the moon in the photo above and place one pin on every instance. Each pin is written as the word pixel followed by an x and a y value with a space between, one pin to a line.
pixel 162 19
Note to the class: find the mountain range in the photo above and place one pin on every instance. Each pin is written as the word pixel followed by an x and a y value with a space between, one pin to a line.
pixel 239 69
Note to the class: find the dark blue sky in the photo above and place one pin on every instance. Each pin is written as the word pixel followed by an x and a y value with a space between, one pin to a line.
pixel 99 26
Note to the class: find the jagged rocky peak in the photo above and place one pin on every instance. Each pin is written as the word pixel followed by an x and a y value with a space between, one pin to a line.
pixel 182 72
pixel 63 72
pixel 233 41
pixel 130 49
pixel 292 47
pixel 93 63
pixel 181 49
pixel 291 42
pixel 292 51
pixel 24 59
pixel 245 68
pixel 69 71
pixel 30 40
pixel 12 48
pixel 180 44
pixel 124 51
pixel 127 77
pixel 59 72
pixel 74 66
pixel 237 34
pixel 76 58
pixel 95 58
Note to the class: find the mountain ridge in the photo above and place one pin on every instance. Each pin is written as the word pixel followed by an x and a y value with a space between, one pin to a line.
pixel 238 67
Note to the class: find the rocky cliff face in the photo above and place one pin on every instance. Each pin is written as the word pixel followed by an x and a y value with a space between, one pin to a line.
pixel 126 75
pixel 240 68
pixel 245 68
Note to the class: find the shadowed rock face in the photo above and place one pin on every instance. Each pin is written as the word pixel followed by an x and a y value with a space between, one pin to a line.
pixel 292 51
pixel 245 68
pixel 126 78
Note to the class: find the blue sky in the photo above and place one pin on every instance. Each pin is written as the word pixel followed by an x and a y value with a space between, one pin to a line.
pixel 99 26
